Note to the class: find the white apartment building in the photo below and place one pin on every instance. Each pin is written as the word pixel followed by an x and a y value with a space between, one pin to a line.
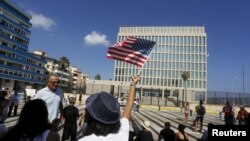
pixel 79 79
pixel 52 66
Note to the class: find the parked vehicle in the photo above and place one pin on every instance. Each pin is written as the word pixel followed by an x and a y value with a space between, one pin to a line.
pixel 122 101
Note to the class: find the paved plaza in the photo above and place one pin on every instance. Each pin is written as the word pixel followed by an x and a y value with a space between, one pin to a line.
pixel 157 119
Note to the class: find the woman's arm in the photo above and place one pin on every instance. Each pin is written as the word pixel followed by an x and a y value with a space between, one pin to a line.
pixel 131 97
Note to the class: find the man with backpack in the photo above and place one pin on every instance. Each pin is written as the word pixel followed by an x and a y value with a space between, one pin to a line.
pixel 228 114
pixel 201 111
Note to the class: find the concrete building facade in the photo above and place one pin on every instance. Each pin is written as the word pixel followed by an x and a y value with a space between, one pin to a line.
pixel 18 67
pixel 177 49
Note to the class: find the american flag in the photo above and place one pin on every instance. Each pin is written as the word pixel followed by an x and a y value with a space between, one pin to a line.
pixel 132 50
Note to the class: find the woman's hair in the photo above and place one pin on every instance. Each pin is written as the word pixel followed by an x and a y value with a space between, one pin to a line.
pixel 33 121
pixel 98 128
pixel 181 128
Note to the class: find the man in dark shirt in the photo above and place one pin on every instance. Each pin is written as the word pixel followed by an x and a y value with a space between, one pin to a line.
pixel 70 114
pixel 145 134
pixel 167 134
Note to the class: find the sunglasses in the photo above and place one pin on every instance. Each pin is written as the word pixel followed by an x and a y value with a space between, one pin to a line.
pixel 54 82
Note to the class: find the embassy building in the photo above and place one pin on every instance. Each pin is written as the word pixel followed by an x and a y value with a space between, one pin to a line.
pixel 177 49
pixel 18 67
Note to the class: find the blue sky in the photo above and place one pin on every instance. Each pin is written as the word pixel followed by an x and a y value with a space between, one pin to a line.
pixel 82 30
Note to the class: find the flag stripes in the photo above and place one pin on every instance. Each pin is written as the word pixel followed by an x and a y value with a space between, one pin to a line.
pixel 132 50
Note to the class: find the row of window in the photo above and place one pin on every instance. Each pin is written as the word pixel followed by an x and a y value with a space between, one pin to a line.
pixel 179 49
pixel 197 96
pixel 180 40
pixel 167 82
pixel 20 74
pixel 19 66
pixel 29 68
pixel 162 65
pixel 163 29
pixel 13 46
pixel 14 28
pixel 13 37
pixel 160 73
pixel 13 55
pixel 15 18
pixel 178 57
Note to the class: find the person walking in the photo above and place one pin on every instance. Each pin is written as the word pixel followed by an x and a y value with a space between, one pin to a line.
pixel 70 114
pixel 186 111
pixel 136 106
pixel 15 98
pixel 242 116
pixel 200 112
pixel 51 94
pixel 145 134
pixel 102 116
pixel 167 133
pixel 228 114
pixel 32 124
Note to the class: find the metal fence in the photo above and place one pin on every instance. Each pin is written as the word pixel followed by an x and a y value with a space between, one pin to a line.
pixel 150 97
pixel 215 97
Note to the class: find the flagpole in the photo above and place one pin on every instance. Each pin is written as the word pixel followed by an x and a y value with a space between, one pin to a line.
pixel 243 86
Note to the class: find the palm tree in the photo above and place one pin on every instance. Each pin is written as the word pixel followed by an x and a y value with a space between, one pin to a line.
pixel 185 75
pixel 46 78
pixel 63 65
pixel 97 77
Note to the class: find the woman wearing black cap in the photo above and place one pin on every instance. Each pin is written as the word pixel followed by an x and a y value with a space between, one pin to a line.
pixel 103 119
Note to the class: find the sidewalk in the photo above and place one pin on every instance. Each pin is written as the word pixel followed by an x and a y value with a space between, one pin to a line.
pixel 211 109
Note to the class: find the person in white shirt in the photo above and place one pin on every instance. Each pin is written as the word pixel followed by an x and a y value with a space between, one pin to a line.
pixel 102 116
pixel 186 111
pixel 15 98
pixel 51 94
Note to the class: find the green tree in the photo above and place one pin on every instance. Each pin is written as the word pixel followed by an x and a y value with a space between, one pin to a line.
pixel 185 75
pixel 63 63
pixel 97 77
pixel 46 78
pixel 70 84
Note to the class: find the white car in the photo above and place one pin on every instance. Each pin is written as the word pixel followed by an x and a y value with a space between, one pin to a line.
pixel 122 101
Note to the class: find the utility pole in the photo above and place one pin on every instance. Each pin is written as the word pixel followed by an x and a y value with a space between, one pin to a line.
pixel 243 79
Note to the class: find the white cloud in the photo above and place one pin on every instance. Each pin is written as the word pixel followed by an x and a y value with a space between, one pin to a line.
pixel 95 38
pixel 39 20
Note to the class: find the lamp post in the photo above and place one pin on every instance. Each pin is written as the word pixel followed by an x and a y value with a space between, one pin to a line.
pixel 121 91
pixel 93 87
pixel 235 77
pixel 159 107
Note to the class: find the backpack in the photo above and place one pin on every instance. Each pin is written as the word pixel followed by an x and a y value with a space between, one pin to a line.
pixel 201 110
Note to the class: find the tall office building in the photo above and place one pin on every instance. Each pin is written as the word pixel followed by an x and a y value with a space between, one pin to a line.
pixel 18 67
pixel 177 49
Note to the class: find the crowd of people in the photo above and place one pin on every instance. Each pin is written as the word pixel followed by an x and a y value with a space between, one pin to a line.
pixel 101 120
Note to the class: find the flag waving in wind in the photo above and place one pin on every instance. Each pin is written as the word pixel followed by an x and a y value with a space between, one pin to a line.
pixel 132 50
